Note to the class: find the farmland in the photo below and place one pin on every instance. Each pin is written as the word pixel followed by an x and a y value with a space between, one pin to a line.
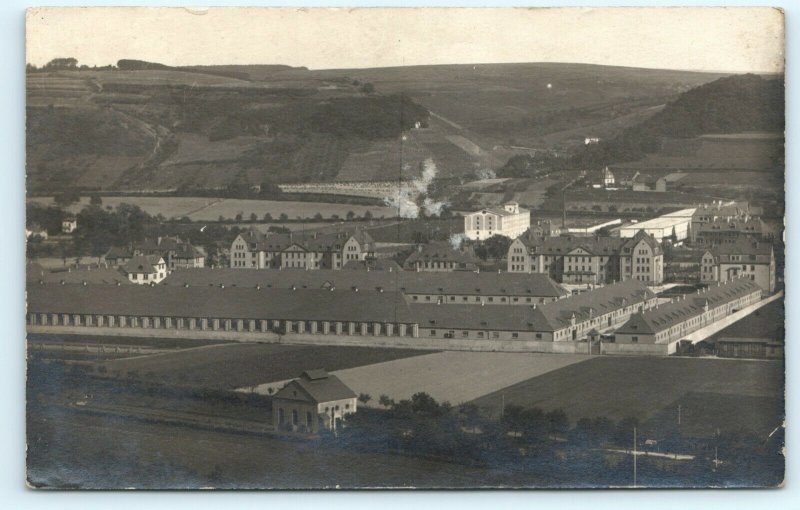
pixel 450 376
pixel 240 365
pixel 713 393
pixel 210 209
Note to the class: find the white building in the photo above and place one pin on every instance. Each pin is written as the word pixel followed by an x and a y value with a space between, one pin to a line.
pixel 509 220
pixel 677 225
pixel 146 269
pixel 69 224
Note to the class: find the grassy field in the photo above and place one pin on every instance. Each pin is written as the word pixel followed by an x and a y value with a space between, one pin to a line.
pixel 67 449
pixel 452 376
pixel 713 393
pixel 242 365
pixel 210 209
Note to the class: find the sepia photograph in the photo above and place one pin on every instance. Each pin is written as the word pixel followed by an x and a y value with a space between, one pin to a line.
pixel 404 248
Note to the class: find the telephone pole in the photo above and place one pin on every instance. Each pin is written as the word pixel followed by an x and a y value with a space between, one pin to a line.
pixel 634 457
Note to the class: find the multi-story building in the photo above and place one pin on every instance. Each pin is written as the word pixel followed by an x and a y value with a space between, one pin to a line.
pixel 146 269
pixel 509 220
pixel 745 257
pixel 707 213
pixel 594 260
pixel 723 230
pixel 255 250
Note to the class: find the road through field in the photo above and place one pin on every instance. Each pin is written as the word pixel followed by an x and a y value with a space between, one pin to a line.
pixel 451 376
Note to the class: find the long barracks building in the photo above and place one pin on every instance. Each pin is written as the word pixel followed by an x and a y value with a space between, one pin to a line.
pixel 358 317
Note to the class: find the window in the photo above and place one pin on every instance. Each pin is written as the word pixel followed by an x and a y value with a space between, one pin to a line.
pixel 538 336
pixel 634 339
pixel 514 335
pixel 465 333
pixel 294 417
pixel 433 332
pixel 309 420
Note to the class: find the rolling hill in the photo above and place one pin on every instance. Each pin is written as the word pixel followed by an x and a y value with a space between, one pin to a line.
pixel 148 127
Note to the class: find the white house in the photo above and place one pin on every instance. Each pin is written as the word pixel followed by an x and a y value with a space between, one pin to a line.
pixel 146 269
pixel 69 224
pixel 509 220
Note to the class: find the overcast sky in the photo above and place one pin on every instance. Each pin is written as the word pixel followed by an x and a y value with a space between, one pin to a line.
pixel 713 39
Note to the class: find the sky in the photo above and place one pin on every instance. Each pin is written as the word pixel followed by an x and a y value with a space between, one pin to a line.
pixel 734 39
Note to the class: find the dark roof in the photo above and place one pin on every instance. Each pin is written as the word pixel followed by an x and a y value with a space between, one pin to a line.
pixel 217 302
pixel 316 386
pixel 373 265
pixel 546 317
pixel 311 241
pixel 89 274
pixel 754 225
pixel 647 238
pixel 667 315
pixel 34 271
pixel 754 250
pixel 442 251
pixel 561 245
pixel 142 264
pixel 119 252
pixel 408 282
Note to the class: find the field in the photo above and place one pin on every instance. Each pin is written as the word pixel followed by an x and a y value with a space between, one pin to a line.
pixel 90 451
pixel 713 393
pixel 450 376
pixel 241 365
pixel 210 209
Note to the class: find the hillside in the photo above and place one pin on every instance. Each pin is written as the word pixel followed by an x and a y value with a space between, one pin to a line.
pixel 153 127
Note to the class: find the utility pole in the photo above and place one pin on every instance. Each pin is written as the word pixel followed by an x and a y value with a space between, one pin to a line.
pixel 634 457
pixel 502 405
pixel 679 415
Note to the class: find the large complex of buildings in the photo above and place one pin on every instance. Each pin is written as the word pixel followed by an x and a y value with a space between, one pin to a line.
pixel 257 250
pixel 595 260
pixel 744 257
pixel 349 312
pixel 509 220
pixel 668 323
pixel 177 253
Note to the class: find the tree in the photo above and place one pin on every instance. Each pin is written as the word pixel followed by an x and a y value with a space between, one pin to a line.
pixel 385 401
pixel 239 216
pixel 557 421
pixel 62 63
pixel 367 215
pixel 367 88
pixel 283 217
pixel 253 217
pixel 95 200
pixel 496 247
pixel 66 197
pixel 267 217
pixel 318 216
pixel 350 215
pixel 364 398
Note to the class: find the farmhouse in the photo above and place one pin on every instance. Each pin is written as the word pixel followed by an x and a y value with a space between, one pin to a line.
pixel 509 220
pixel 570 259
pixel 431 288
pixel 675 225
pixel 745 257
pixel 313 402
pixel 440 256
pixel 145 269
pixel 667 324
pixel 69 224
pixel 256 250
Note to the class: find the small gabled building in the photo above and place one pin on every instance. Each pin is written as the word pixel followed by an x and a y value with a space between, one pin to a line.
pixel 440 256
pixel 313 402
pixel 145 269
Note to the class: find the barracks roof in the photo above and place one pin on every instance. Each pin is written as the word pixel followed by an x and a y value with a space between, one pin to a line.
pixel 312 241
pixel 217 302
pixel 547 317
pixel 665 316
pixel 407 282
pixel 442 252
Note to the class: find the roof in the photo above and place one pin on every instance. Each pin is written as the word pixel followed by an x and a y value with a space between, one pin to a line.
pixel 665 221
pixel 373 265
pixel 561 245
pixel 547 317
pixel 84 274
pixel 215 302
pixel 408 282
pixel 745 340
pixel 752 250
pixel 441 251
pixel 647 238
pixel 665 316
pixel 317 386
pixel 142 264
pixel 730 224
pixel 312 241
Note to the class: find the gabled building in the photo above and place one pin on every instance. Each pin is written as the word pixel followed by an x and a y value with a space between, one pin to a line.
pixel 145 269
pixel 255 250
pixel 722 230
pixel 313 402
pixel 69 224
pixel 440 256
pixel 705 214
pixel 595 260
pixel 745 257
pixel 509 220
pixel 644 182
pixel 668 323
pixel 177 253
